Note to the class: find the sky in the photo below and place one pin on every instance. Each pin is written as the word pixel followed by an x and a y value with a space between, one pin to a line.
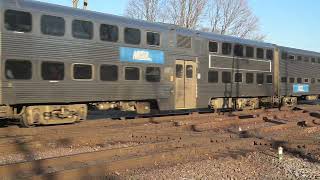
pixel 292 23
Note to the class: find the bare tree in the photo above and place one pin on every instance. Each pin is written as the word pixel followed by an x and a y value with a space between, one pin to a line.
pixel 149 10
pixel 233 17
pixel 185 13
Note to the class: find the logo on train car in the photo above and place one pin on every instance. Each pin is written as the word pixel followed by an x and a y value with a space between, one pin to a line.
pixel 301 88
pixel 141 55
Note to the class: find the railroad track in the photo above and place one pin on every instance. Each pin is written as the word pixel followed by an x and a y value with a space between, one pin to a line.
pixel 150 142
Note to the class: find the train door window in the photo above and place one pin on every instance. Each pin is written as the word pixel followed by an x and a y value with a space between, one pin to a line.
pixel 213 76
pixel 306 59
pixel 284 79
pixel 260 78
pixel 153 38
pixel 313 60
pixel 269 54
pixel 132 73
pixel 226 77
pixel 313 80
pixel 18 69
pixel 284 55
pixel 82 29
pixel 213 47
pixel 109 33
pixel 153 74
pixel 226 48
pixel 238 77
pixel 108 72
pixel 306 80
pixel 52 71
pixel 189 71
pixel 18 21
pixel 52 25
pixel 291 80
pixel 132 36
pixel 269 79
pixel 183 41
pixel 82 71
pixel 299 80
pixel 299 58
pixel 249 78
pixel 260 53
pixel 249 52
pixel 179 71
pixel 238 50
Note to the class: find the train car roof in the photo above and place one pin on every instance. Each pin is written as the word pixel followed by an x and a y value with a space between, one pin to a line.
pixel 299 51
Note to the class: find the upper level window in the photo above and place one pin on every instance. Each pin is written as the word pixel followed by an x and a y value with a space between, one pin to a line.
pixel 183 41
pixel 213 76
pixel 299 58
pixel 299 80
pixel 52 25
pixel 249 78
pixel 249 52
pixel 291 80
pixel 292 57
pixel 18 21
pixel 270 54
pixel 260 78
pixel 82 71
pixel 18 69
pixel 52 71
pixel 108 72
pixel 213 46
pixel 109 33
pixel 226 48
pixel 82 29
pixel 306 59
pixel 313 60
pixel 132 36
pixel 313 80
pixel 269 79
pixel 260 53
pixel 153 38
pixel 238 77
pixel 238 50
pixel 226 77
pixel 284 79
pixel 306 80
pixel 153 74
pixel 132 73
pixel 318 60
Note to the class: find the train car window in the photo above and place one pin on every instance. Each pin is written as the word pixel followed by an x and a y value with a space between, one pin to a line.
pixel 109 33
pixel 319 60
pixel 270 54
pixel 318 80
pixel 260 53
pixel 153 74
pixel 284 79
pixel 226 77
pixel 82 71
pixel 18 21
pixel 306 80
pixel 291 80
pixel 213 46
pixel 52 70
pixel 238 50
pixel 108 72
pixel 179 71
pixel 153 38
pixel 313 80
pixel 18 69
pixel 299 80
pixel 183 41
pixel 284 55
pixel 132 36
pixel 292 58
pixel 189 71
pixel 249 52
pixel 249 78
pixel 306 59
pixel 238 77
pixel 226 48
pixel 82 29
pixel 313 60
pixel 132 73
pixel 213 76
pixel 269 79
pixel 52 25
pixel 260 78
pixel 299 58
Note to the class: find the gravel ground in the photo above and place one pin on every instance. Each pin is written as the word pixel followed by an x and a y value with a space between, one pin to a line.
pixel 256 165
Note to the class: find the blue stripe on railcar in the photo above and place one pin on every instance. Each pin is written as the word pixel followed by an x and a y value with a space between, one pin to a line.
pixel 301 88
pixel 141 55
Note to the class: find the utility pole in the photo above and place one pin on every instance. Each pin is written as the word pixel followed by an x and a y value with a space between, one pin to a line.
pixel 75 4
